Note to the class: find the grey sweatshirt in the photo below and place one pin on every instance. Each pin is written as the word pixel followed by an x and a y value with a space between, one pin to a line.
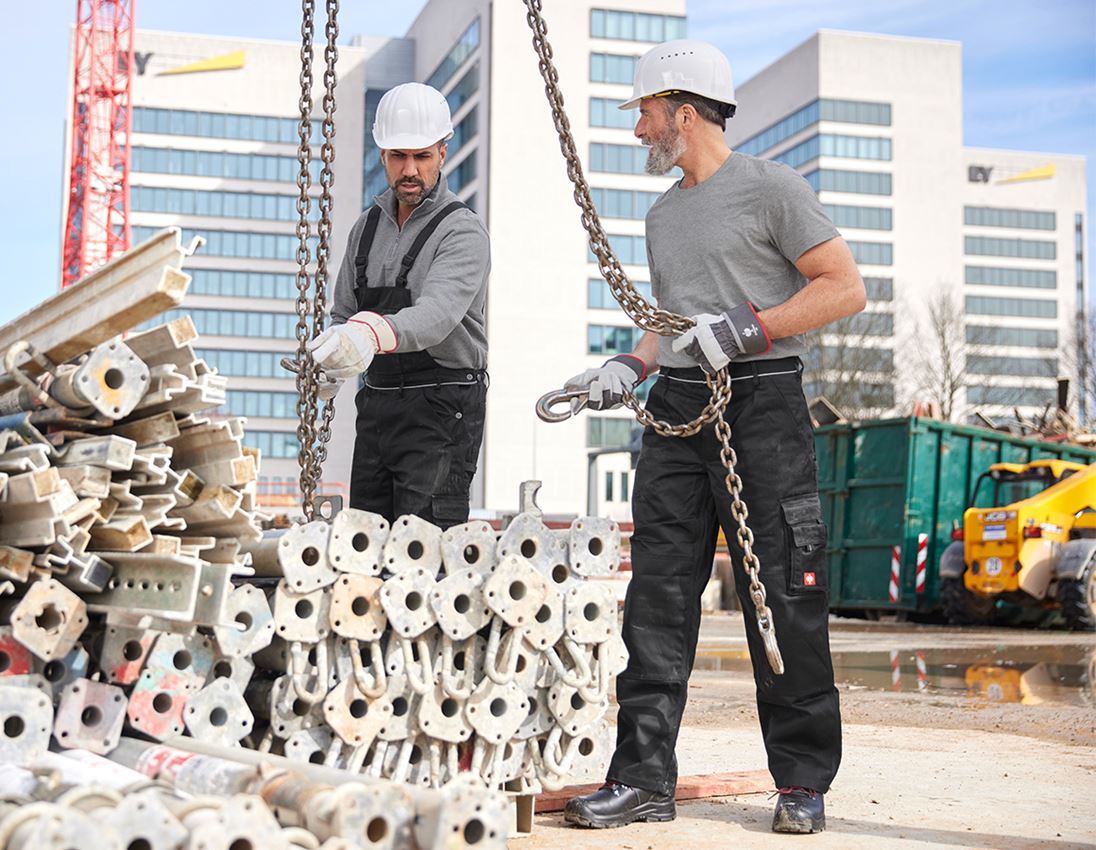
pixel 448 282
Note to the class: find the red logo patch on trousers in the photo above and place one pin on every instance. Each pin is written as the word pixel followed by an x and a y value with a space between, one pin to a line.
pixel 809 580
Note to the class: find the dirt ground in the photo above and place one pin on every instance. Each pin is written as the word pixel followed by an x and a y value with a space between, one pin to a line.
pixel 964 738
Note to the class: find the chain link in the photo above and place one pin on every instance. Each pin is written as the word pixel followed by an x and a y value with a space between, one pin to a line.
pixel 311 304
pixel 658 321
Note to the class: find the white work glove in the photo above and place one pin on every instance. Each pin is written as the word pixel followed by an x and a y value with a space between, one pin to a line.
pixel 346 350
pixel 327 388
pixel 717 340
pixel 606 384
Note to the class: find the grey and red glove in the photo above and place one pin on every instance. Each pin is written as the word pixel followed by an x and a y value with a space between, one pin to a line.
pixel 716 340
pixel 607 384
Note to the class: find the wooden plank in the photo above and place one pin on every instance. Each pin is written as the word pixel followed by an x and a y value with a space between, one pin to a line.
pixel 688 788
pixel 139 285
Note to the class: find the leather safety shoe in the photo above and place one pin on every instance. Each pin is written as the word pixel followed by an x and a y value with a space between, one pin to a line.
pixel 614 804
pixel 799 810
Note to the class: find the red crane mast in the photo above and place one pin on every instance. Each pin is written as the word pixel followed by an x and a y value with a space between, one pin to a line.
pixel 97 219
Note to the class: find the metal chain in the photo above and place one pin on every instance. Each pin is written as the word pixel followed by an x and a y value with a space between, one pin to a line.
pixel 658 321
pixel 311 309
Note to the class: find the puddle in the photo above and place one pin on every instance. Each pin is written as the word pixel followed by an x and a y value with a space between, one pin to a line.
pixel 1029 675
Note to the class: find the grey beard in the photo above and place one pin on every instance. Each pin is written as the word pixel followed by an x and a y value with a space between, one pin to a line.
pixel 664 154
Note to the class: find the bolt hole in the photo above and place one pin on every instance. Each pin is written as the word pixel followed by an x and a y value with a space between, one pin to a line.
pixel 14 726
pixel 300 707
pixel 585 746
pixel 358 708
pixel 399 706
pixel 5 661
pixel 544 614
pixel 591 612
pixel 415 550
pixel 577 702
pixel 303 609
pixel 91 716
pixel 317 757
pixel 595 546
pixel 360 542
pixel 528 547
pixel 474 831
pixel 161 703
pixel 131 650
pixel 244 619
pixel 310 556
pixel 49 619
pixel 560 573
pixel 376 830
pixel 414 601
pixel 54 671
pixel 449 707
pixel 458 661
pixel 360 606
pixel 462 603
pixel 222 670
pixel 218 717
pixel 517 590
pixel 471 554
pixel 139 844
pixel 498 707
pixel 182 660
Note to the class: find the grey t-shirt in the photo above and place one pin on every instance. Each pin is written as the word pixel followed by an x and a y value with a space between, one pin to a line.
pixel 734 237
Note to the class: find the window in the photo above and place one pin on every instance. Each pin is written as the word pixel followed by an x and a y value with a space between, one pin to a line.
pixel 1019 337
pixel 235 166
pixel 879 288
pixel 866 218
pixel 843 111
pixel 464 131
pixel 257 128
pixel 608 486
pixel 242 284
pixel 603 432
pixel 464 89
pixel 611 68
pixel 849 147
pixel 868 394
pixel 218 204
pixel 630 250
pixel 252 364
pixel 1033 249
pixel 872 253
pixel 604 112
pixel 271 405
pixel 845 356
pixel 635 26
pixel 625 494
pixel 623 203
pixel 869 324
pixel 463 174
pixel 273 443
pixel 599 297
pixel 235 323
pixel 611 339
pixel 1029 396
pixel 618 159
pixel 995 217
pixel 460 51
pixel 1027 367
pixel 1035 308
pixel 229 243
pixel 855 182
pixel 1033 278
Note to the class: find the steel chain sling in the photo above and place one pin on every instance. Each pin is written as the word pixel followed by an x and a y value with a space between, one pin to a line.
pixel 313 440
pixel 660 322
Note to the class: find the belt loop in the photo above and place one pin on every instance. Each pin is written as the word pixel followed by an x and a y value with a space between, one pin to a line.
pixel 756 375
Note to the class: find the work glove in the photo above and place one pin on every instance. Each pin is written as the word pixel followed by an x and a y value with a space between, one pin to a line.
pixel 327 388
pixel 607 384
pixel 716 340
pixel 346 350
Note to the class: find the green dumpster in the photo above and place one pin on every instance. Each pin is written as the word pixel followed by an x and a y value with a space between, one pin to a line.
pixel 891 490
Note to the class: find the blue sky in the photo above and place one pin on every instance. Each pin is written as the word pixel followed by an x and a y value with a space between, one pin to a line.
pixel 1029 81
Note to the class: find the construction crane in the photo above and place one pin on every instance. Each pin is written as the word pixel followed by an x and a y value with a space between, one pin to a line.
pixel 97 217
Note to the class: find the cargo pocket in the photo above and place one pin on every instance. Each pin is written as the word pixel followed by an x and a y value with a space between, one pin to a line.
pixel 805 534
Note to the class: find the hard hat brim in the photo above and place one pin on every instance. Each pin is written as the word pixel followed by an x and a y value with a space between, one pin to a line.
pixel 409 141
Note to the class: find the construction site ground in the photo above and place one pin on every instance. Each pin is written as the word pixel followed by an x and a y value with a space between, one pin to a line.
pixel 965 738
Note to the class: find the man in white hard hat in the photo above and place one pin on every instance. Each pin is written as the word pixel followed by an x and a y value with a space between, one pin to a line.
pixel 743 247
pixel 409 313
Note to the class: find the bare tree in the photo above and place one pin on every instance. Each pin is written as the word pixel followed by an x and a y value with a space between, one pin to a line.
pixel 846 364
pixel 1078 363
pixel 942 355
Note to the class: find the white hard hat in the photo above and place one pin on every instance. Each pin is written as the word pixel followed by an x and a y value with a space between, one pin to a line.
pixel 412 116
pixel 684 65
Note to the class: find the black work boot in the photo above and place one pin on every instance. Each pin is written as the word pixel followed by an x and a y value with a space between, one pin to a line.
pixel 614 804
pixel 799 810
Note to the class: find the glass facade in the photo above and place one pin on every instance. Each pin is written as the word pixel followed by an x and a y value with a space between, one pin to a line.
pixel 374 180
pixel 231 166
pixel 1032 278
pixel 1035 308
pixel 599 297
pixel 273 443
pixel 460 51
pixel 242 284
pixel 635 26
pixel 869 324
pixel 868 359
pixel 463 174
pixel 465 88
pixel 1019 337
pixel 603 432
pixel 612 68
pixel 230 243
pixel 872 253
pixel 844 111
pixel 855 182
pixel 623 203
pixel 237 323
pixel 274 405
pixel 611 339
pixel 219 204
pixel 246 364
pixel 464 131
pixel 849 147
pixel 618 159
pixel 879 288
pixel 995 217
pixel 1029 396
pixel 629 249
pixel 866 218
pixel 219 125
pixel 988 246
pixel 604 112
pixel 1027 367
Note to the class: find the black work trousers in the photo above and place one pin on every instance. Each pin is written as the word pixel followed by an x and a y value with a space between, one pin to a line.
pixel 417 448
pixel 679 501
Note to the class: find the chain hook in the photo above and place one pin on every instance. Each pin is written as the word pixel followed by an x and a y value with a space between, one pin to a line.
pixel 575 400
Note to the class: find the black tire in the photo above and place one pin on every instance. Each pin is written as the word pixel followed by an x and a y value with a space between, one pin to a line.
pixel 1078 598
pixel 963 608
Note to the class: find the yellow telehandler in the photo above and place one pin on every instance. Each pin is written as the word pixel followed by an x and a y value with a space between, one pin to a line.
pixel 1028 540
